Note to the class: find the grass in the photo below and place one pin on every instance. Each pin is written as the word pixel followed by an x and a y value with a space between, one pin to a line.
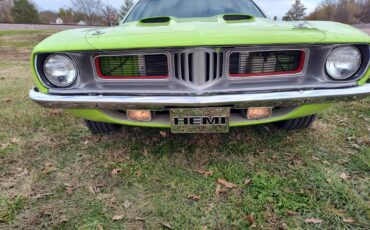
pixel 55 175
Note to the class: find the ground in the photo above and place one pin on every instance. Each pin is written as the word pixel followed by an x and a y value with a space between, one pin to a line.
pixel 55 175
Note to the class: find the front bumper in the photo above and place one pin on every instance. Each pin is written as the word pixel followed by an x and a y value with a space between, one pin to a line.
pixel 289 98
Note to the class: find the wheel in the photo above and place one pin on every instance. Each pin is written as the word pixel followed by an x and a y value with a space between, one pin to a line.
pixel 298 123
pixel 102 127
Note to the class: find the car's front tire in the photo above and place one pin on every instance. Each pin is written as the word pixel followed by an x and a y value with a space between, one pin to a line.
pixel 102 127
pixel 298 123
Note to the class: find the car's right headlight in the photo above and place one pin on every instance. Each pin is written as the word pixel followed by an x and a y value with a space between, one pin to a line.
pixel 343 62
pixel 60 70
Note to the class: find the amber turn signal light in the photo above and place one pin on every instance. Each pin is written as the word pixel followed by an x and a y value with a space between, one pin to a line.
pixel 139 115
pixel 255 113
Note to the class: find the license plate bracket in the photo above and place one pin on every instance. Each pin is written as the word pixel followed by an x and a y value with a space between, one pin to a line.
pixel 200 120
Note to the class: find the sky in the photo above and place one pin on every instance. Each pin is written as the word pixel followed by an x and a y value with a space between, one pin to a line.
pixel 270 7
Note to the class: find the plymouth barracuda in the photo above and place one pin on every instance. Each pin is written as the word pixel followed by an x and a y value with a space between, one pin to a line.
pixel 201 66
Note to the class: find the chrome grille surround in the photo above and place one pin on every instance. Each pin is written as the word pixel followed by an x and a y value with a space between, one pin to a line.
pixel 199 66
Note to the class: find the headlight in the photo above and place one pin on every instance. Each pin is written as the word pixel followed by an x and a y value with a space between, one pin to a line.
pixel 343 62
pixel 60 70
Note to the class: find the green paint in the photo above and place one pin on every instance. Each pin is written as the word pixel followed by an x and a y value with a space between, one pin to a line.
pixel 365 78
pixel 200 32
pixel 97 115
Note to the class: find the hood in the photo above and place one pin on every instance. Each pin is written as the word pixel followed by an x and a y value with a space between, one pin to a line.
pixel 214 31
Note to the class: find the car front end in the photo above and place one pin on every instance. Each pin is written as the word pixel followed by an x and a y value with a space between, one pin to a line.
pixel 202 74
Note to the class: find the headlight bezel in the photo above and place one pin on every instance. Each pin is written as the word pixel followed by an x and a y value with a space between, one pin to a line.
pixel 355 74
pixel 53 84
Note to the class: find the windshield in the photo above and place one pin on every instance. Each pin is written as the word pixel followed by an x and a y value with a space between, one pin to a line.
pixel 192 8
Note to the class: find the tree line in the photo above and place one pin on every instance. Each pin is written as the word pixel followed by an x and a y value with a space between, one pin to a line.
pixel 92 12
pixel 344 11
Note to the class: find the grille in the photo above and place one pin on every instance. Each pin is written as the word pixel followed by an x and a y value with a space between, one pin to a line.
pixel 132 66
pixel 198 66
pixel 248 64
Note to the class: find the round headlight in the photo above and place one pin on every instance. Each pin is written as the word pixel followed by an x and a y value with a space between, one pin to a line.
pixel 343 62
pixel 60 70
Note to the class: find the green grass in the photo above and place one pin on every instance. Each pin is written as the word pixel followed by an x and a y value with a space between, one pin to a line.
pixel 55 175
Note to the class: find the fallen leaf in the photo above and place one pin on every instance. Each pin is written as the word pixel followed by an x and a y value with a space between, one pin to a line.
pixel 291 213
pixel 344 176
pixel 116 171
pixel 118 217
pixel 139 219
pixel 100 227
pixel 15 140
pixel 7 100
pixel 48 168
pixel 226 184
pixel 316 158
pixel 204 172
pixel 167 225
pixel 194 197
pixel 348 220
pixel 23 173
pixel 313 221
pixel 251 220
pixel 127 204
pixel 54 112
pixel 247 181
pixel 163 133
pixel 69 190
pixel 218 190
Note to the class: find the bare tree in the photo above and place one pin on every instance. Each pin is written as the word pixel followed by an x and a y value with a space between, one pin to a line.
pixel 297 12
pixel 91 8
pixel 126 6
pixel 110 16
pixel 5 10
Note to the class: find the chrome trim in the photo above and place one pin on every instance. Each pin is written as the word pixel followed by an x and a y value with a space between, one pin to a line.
pixel 234 100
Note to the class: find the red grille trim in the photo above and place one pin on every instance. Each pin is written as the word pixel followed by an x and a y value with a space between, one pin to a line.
pixel 101 75
pixel 299 70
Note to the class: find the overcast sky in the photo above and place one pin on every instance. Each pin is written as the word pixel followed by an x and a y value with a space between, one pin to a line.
pixel 271 7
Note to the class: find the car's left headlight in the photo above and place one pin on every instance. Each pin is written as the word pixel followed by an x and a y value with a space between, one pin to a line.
pixel 343 62
pixel 60 70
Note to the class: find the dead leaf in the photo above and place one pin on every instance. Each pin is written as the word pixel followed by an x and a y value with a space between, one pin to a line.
pixel 139 219
pixel 118 217
pixel 226 184
pixel 204 172
pixel 8 100
pixel 48 168
pixel 344 176
pixel 127 204
pixel 291 213
pixel 348 220
pixel 55 112
pixel 218 190
pixel 100 227
pixel 163 134
pixel 69 190
pixel 116 171
pixel 313 221
pixel 167 225
pixel 316 158
pixel 251 220
pixel 247 181
pixel 23 173
pixel 194 197
pixel 15 140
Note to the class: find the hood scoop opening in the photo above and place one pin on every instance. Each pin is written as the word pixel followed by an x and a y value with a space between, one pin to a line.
pixel 237 17
pixel 155 20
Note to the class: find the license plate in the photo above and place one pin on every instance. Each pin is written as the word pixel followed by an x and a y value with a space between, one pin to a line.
pixel 200 120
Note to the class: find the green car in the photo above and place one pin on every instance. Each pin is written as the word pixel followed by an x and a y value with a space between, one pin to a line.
pixel 201 66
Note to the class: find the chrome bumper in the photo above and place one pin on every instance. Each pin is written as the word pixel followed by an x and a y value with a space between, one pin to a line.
pixel 233 100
